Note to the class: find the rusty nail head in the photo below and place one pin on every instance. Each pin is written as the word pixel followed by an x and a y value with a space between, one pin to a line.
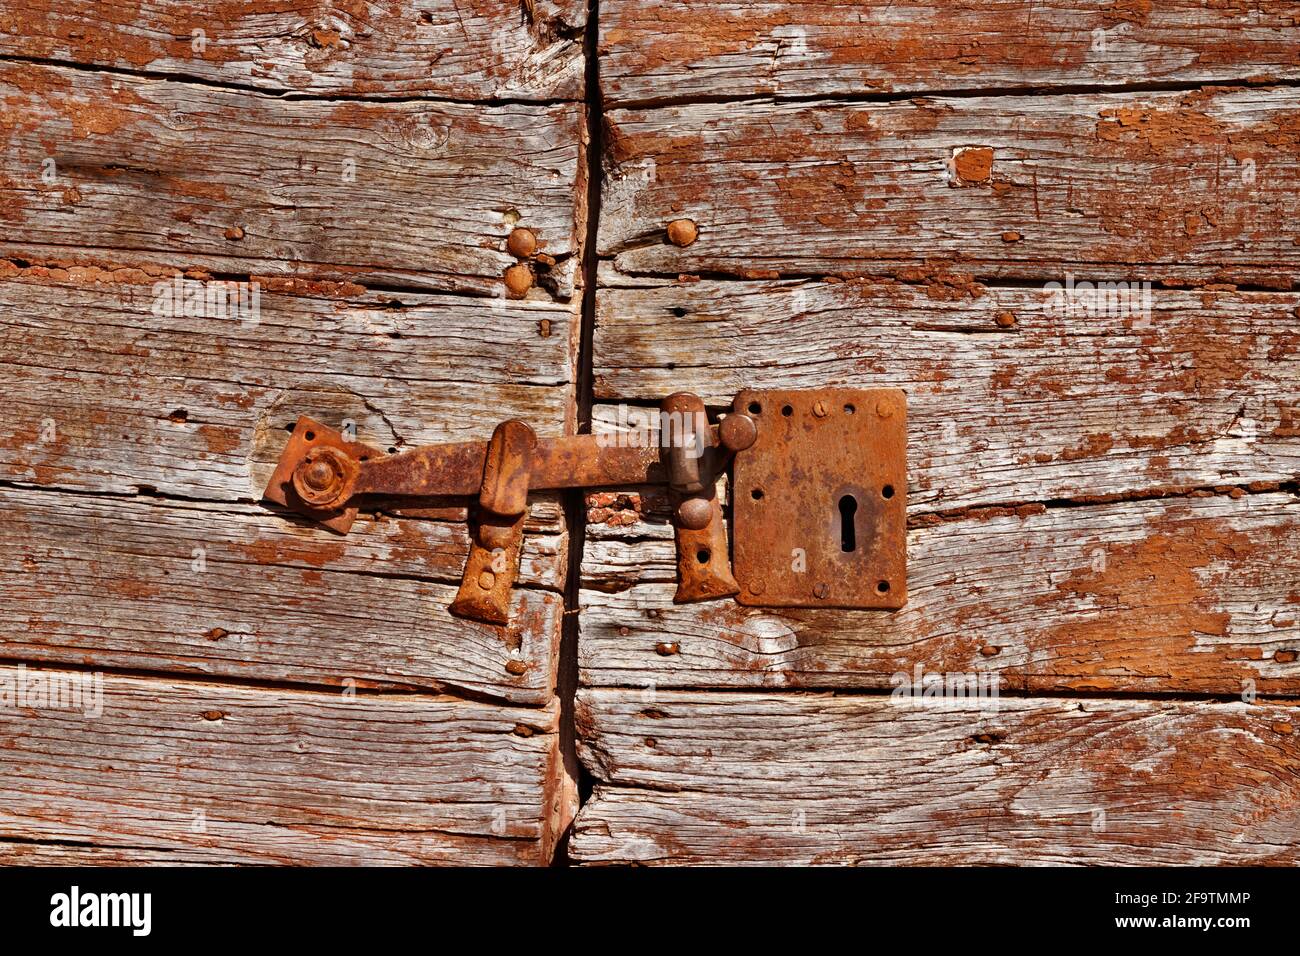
pixel 682 232
pixel 695 513
pixel 884 409
pixel 522 243
pixel 1005 320
pixel 757 587
pixel 822 590
pixel 486 580
pixel 519 279
pixel 819 409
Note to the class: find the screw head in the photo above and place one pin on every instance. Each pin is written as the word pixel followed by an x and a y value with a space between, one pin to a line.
pixel 682 232
pixel 756 587
pixel 821 590
pixel 820 410
pixel 522 243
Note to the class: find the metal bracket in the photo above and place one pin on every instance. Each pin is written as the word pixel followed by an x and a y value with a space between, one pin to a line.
pixel 804 453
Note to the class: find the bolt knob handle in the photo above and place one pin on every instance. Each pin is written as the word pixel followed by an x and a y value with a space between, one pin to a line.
pixel 737 432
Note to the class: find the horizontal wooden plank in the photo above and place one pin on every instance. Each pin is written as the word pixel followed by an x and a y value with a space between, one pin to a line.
pixel 21 853
pixel 1167 186
pixel 691 778
pixel 109 395
pixel 238 592
pixel 462 49
pixel 417 192
pixel 1014 394
pixel 654 51
pixel 1195 594
pixel 220 773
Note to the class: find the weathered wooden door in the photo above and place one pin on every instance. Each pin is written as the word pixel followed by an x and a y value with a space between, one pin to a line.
pixel 1067 231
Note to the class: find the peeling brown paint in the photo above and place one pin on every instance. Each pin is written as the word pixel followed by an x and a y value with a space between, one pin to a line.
pixel 1148 602
pixel 276 552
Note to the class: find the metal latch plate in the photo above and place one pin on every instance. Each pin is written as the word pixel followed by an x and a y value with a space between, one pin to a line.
pixel 309 434
pixel 819 502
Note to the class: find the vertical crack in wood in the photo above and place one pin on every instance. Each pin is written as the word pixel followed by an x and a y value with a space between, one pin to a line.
pixel 584 388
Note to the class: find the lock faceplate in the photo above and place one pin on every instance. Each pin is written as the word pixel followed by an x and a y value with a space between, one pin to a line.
pixel 819 502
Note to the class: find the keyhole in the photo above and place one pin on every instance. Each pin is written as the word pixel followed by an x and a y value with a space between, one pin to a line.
pixel 848 537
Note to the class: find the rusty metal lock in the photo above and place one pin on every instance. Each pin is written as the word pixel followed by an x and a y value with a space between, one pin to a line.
pixel 818 494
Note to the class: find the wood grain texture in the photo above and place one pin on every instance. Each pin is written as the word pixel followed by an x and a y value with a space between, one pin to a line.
pixel 109 396
pixel 656 51
pixel 1195 594
pixel 690 778
pixel 239 592
pixel 459 49
pixel 21 853
pixel 1012 396
pixel 217 773
pixel 1168 186
pixel 412 193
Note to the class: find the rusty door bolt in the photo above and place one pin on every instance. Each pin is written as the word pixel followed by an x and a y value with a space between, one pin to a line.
pixel 519 279
pixel 682 232
pixel 522 243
